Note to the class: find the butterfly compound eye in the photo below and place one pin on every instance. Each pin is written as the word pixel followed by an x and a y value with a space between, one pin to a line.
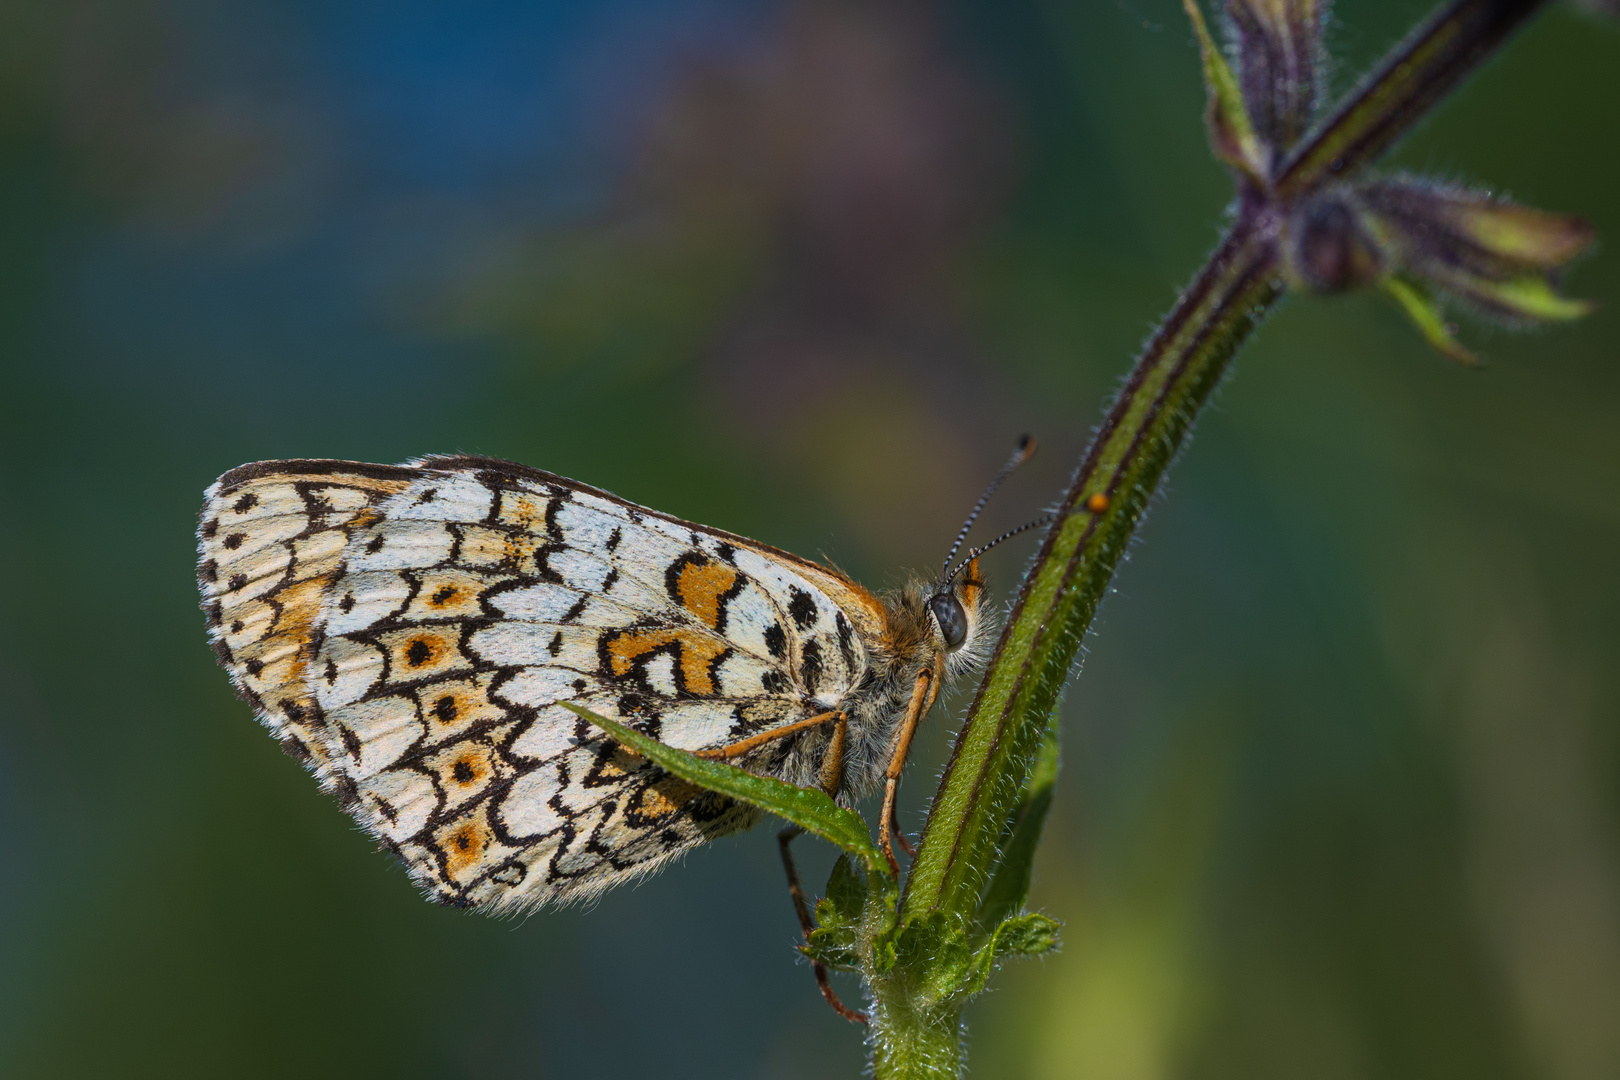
pixel 952 619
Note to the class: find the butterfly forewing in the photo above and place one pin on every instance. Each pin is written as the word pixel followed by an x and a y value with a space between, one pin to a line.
pixel 408 632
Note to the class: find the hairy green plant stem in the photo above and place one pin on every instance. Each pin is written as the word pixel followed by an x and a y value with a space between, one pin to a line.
pixel 1182 364
pixel 1404 88
pixel 1178 369
pixel 913 1042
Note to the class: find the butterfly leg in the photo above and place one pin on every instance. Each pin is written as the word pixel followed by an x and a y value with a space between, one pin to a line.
pixel 922 696
pixel 802 908
pixel 832 778
pixel 754 742
pixel 832 764
pixel 900 838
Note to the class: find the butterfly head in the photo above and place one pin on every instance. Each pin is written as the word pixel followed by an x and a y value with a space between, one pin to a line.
pixel 954 605
pixel 957 595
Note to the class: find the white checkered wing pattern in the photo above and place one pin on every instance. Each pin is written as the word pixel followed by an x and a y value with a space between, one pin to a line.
pixel 408 632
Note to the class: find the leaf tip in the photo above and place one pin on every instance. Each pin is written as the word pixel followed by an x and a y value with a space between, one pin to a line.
pixel 1231 131
pixel 1425 314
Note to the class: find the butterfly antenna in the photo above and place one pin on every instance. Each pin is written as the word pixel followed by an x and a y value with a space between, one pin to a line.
pixel 1045 519
pixel 1024 451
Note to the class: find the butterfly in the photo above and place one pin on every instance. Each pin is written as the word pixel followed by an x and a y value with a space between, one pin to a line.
pixel 410 632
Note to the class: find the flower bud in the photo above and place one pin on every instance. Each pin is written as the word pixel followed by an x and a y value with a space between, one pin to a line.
pixel 1327 248
pixel 1279 53
pixel 1497 256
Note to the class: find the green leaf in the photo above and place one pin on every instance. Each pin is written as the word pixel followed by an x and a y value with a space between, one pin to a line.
pixel 1425 314
pixel 808 808
pixel 846 890
pixel 840 918
pixel 951 964
pixel 1010 886
pixel 1030 934
pixel 833 942
pixel 1231 132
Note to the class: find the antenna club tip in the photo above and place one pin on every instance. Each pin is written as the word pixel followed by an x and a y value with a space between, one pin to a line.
pixel 1027 445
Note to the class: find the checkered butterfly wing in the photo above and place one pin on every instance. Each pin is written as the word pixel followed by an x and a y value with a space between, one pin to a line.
pixel 408 631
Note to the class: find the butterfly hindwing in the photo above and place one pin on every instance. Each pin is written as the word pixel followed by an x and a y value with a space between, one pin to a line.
pixel 410 630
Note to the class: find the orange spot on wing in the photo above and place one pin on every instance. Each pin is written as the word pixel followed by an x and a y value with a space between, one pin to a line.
pixel 663 798
pixel 695 660
pixel 696 654
pixel 700 587
pixel 524 511
pixel 300 603
pixel 278 662
pixel 448 706
pixel 464 845
pixel 446 592
pixel 423 650
pixel 625 649
pixel 621 764
pixel 466 771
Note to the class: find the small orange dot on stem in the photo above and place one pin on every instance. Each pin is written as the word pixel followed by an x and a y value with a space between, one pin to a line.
pixel 1097 503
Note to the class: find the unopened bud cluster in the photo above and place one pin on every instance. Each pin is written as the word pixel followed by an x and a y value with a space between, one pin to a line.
pixel 1417 240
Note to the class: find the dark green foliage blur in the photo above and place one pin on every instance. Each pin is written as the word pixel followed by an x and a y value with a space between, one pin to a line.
pixel 1341 794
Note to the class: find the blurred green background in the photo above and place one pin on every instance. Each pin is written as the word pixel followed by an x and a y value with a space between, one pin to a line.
pixel 1342 785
